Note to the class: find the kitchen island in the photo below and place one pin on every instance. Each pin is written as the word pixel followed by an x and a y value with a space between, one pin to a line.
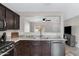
pixel 39 47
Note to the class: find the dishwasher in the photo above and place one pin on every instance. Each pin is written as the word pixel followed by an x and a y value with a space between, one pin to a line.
pixel 57 48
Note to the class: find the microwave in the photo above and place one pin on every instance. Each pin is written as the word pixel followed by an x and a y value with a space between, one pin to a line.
pixel 2 24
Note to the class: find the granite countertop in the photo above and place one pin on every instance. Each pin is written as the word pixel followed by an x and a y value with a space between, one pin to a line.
pixel 27 38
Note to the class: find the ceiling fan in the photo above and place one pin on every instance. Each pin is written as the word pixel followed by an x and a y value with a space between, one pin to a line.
pixel 44 19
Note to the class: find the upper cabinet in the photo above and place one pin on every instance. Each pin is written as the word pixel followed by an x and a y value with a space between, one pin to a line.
pixel 16 21
pixel 12 19
pixel 9 19
pixel 2 11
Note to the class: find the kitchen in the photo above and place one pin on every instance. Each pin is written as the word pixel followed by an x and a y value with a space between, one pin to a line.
pixel 38 34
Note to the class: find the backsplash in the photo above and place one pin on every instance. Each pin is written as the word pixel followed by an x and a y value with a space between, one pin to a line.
pixel 44 35
pixel 8 33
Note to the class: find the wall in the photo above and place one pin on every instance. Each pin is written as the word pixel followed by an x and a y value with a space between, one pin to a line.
pixel 54 23
pixel 50 14
pixel 74 22
pixel 31 27
pixel 75 31
pixel 57 25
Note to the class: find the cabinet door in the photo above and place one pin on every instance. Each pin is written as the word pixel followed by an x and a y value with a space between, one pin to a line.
pixel 23 48
pixel 32 48
pixel 9 19
pixel 45 48
pixel 2 11
pixel 16 21
pixel 17 49
pixel 26 50
pixel 35 48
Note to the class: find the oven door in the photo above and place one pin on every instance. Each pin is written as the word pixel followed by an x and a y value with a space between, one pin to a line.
pixel 2 25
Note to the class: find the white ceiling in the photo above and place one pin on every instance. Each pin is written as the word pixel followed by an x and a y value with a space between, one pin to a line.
pixel 35 7
pixel 68 9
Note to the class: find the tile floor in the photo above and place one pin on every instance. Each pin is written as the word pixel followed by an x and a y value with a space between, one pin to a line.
pixel 71 51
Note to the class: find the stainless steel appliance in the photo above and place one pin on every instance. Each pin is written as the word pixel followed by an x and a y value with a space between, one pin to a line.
pixel 2 24
pixel 70 40
pixel 57 48
pixel 6 47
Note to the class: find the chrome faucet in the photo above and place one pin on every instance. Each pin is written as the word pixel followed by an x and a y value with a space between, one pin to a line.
pixel 41 33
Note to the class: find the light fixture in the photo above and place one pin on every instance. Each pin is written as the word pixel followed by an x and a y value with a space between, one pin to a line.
pixel 44 20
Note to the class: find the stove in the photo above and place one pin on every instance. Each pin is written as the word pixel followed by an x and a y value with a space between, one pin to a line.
pixel 5 47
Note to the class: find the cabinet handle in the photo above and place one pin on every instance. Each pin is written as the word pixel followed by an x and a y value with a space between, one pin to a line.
pixel 4 23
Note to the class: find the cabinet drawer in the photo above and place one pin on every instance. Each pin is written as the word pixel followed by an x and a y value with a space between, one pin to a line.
pixel 47 43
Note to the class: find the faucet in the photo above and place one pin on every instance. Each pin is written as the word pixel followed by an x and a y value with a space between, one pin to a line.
pixel 40 32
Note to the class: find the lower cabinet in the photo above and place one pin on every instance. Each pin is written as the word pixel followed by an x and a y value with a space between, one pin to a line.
pixel 35 48
pixel 46 48
pixel 32 48
pixel 22 48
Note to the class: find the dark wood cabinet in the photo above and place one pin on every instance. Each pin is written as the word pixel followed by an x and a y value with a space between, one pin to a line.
pixel 16 21
pixel 2 11
pixel 9 19
pixel 35 48
pixel 25 48
pixel 12 19
pixel 22 48
pixel 46 48
pixel 32 48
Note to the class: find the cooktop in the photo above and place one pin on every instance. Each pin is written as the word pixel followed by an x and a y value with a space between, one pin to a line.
pixel 4 44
